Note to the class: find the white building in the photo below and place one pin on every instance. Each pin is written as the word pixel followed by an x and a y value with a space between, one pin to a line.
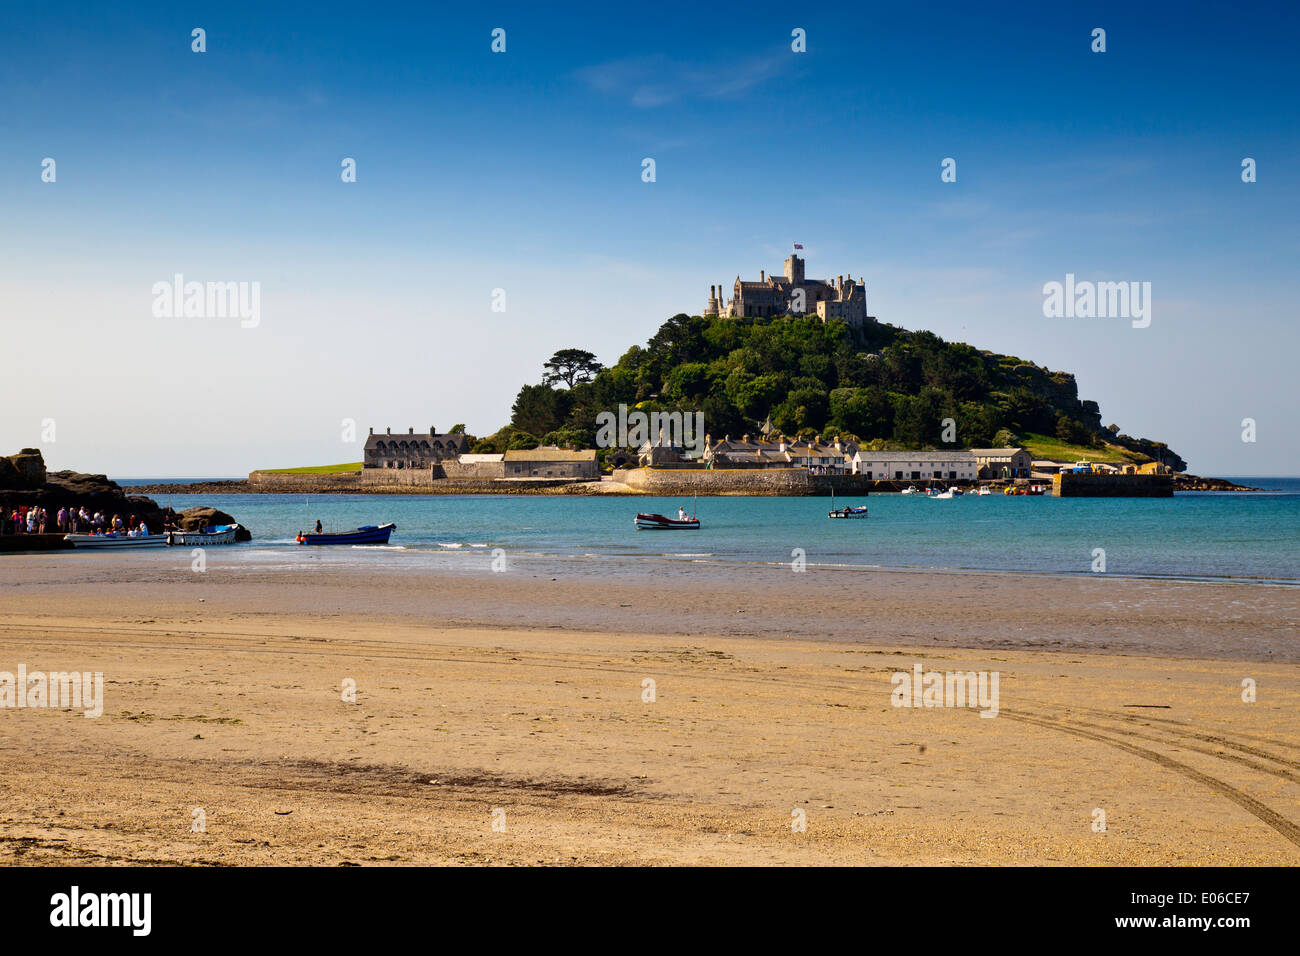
pixel 915 465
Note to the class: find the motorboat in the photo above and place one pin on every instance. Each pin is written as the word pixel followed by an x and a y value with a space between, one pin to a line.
pixel 116 539
pixel 658 522
pixel 857 511
pixel 860 511
pixel 369 534
pixel 219 534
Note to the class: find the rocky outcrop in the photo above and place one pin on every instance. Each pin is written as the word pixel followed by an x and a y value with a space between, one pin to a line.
pixel 24 481
pixel 24 471
pixel 1197 483
pixel 200 517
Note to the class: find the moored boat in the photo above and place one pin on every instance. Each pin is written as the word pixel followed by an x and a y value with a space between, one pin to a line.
pixel 116 540
pixel 369 534
pixel 220 534
pixel 658 522
pixel 860 511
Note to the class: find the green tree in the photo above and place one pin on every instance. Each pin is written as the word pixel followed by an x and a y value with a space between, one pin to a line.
pixel 570 366
pixel 539 409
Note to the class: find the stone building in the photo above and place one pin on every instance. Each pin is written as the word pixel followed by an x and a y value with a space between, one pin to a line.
pixel 552 462
pixel 1004 462
pixel 480 467
pixel 410 450
pixel 793 294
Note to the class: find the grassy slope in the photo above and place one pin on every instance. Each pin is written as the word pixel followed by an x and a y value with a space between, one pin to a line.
pixel 1043 446
pixel 315 469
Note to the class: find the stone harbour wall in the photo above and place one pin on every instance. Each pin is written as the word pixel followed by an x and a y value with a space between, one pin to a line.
pixel 738 481
pixel 1071 485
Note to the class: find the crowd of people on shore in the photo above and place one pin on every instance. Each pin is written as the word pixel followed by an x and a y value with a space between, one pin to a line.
pixel 36 519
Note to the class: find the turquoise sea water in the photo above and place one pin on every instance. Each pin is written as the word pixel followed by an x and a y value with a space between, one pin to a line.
pixel 1192 535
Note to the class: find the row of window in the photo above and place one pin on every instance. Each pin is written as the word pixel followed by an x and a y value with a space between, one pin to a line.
pixel 915 476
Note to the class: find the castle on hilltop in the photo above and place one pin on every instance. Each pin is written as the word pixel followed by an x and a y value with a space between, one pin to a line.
pixel 792 294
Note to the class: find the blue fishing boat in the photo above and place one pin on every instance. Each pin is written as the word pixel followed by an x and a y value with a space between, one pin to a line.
pixel 370 534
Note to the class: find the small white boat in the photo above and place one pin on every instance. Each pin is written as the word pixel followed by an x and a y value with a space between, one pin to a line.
pixel 116 540
pixel 909 490
pixel 984 490
pixel 942 494
pixel 221 534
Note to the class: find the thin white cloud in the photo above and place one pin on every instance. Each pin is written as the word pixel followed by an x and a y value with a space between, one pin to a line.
pixel 648 82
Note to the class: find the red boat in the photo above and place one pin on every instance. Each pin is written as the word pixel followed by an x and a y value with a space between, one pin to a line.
pixel 654 522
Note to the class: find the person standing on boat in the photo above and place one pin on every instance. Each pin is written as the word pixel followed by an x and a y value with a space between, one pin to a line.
pixel 319 529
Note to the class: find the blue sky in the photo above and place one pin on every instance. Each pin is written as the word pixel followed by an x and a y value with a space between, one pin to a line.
pixel 522 171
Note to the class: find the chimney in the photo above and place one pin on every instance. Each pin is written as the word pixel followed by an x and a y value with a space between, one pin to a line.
pixel 372 429
pixel 410 429
pixel 388 430
pixel 762 275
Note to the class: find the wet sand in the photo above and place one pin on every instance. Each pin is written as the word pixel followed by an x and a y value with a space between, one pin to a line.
pixel 517 698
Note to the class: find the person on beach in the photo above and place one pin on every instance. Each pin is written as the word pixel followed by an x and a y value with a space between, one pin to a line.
pixel 62 519
pixel 40 521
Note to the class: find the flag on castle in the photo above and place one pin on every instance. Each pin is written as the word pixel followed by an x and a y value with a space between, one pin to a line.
pixel 798 245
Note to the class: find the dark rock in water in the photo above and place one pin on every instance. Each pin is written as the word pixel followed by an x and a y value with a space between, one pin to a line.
pixel 1197 483
pixel 201 516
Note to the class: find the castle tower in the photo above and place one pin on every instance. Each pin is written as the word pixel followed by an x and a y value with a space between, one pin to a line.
pixel 794 269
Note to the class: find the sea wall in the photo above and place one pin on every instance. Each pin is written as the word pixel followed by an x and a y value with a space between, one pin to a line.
pixel 403 481
pixel 477 470
pixel 738 481
pixel 348 482
pixel 1083 485
pixel 399 477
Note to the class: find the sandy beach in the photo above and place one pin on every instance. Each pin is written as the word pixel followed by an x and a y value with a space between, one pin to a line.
pixel 519 700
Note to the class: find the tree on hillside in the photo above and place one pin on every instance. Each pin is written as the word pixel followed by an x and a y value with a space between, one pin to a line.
pixel 571 366
pixel 539 409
